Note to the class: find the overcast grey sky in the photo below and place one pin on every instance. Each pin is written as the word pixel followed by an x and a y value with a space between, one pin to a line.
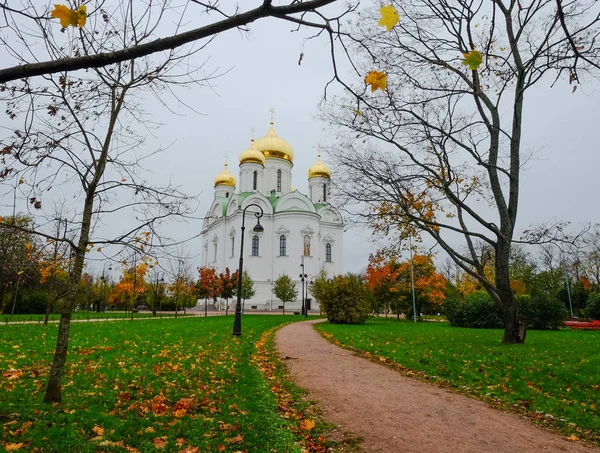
pixel 261 71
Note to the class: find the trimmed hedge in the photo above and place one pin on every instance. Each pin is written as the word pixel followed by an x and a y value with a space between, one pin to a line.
pixel 541 313
pixel 476 310
pixel 479 311
pixel 592 308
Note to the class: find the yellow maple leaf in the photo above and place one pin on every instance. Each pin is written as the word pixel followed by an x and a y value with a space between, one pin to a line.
pixel 389 17
pixel 307 424
pixel 13 446
pixel 98 430
pixel 377 80
pixel 68 16
pixel 473 59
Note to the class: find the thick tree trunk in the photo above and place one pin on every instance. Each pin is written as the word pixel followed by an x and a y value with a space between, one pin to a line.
pixel 514 329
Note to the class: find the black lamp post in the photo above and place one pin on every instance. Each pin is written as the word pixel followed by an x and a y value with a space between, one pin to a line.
pixel 104 289
pixel 308 281
pixel 156 295
pixel 258 228
pixel 302 277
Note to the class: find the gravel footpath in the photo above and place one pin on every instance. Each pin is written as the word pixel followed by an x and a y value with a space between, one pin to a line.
pixel 394 413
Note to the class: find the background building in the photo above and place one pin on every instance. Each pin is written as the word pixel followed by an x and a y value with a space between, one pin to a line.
pixel 297 228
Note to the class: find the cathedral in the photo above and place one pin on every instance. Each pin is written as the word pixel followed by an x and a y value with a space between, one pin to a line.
pixel 297 229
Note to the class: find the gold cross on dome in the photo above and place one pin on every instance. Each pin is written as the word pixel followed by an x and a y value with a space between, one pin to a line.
pixel 226 158
pixel 272 111
pixel 253 131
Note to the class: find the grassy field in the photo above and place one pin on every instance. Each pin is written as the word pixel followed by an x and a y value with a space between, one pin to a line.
pixel 554 376
pixel 171 385
pixel 86 315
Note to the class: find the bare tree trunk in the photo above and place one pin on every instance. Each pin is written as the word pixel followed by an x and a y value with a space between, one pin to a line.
pixel 54 388
pixel 514 329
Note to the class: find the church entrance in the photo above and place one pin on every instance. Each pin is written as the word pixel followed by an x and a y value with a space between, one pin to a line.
pixel 308 304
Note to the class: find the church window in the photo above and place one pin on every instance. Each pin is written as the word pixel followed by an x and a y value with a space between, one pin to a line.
pixel 282 245
pixel 254 180
pixel 324 193
pixel 255 245
pixel 215 250
pixel 232 245
pixel 226 194
pixel 307 245
pixel 328 252
pixel 278 180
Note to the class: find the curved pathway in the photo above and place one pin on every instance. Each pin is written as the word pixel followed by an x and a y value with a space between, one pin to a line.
pixel 394 413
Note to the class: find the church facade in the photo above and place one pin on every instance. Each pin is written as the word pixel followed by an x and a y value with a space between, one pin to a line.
pixel 298 229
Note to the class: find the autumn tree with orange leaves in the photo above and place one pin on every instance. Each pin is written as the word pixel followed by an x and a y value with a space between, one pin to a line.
pixel 390 281
pixel 131 287
pixel 207 286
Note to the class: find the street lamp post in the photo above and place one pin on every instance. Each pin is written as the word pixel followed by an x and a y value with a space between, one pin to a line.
pixel 156 295
pixel 302 279
pixel 104 291
pixel 258 228
pixel 412 279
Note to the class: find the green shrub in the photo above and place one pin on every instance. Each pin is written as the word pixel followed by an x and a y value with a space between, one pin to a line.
pixel 477 310
pixel 345 300
pixel 541 313
pixel 593 306
pixel 29 301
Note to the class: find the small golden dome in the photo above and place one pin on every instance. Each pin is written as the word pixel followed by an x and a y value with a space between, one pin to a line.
pixel 271 145
pixel 225 178
pixel 252 155
pixel 319 169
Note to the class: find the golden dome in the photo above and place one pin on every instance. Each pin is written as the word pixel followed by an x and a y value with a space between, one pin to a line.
pixel 271 145
pixel 225 178
pixel 252 155
pixel 319 169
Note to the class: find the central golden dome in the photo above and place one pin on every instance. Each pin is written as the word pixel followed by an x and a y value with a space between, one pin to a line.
pixel 271 145
pixel 225 178
pixel 252 155
pixel 319 169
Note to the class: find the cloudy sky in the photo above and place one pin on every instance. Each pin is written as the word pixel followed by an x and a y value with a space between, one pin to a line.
pixel 260 71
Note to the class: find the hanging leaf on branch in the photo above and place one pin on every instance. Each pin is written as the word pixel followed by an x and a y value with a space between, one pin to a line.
pixel 389 17
pixel 68 16
pixel 377 80
pixel 473 59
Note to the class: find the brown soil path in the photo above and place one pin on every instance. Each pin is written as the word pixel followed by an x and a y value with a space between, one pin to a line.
pixel 394 413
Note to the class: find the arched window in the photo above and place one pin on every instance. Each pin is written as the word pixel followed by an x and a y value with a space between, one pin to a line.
pixel 255 245
pixel 232 245
pixel 307 245
pixel 328 253
pixel 254 180
pixel 215 247
pixel 279 180
pixel 324 193
pixel 282 245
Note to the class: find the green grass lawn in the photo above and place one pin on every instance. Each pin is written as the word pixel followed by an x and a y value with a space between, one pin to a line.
pixel 554 372
pixel 169 385
pixel 85 315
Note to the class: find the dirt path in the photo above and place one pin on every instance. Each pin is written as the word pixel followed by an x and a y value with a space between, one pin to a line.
pixel 393 413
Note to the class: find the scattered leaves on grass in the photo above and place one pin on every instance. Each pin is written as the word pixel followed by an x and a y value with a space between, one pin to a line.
pixel 160 442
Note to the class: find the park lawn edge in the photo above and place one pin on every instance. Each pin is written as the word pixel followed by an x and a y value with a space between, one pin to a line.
pixel 551 425
pixel 293 404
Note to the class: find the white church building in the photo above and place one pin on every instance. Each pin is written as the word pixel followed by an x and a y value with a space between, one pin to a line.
pixel 298 228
